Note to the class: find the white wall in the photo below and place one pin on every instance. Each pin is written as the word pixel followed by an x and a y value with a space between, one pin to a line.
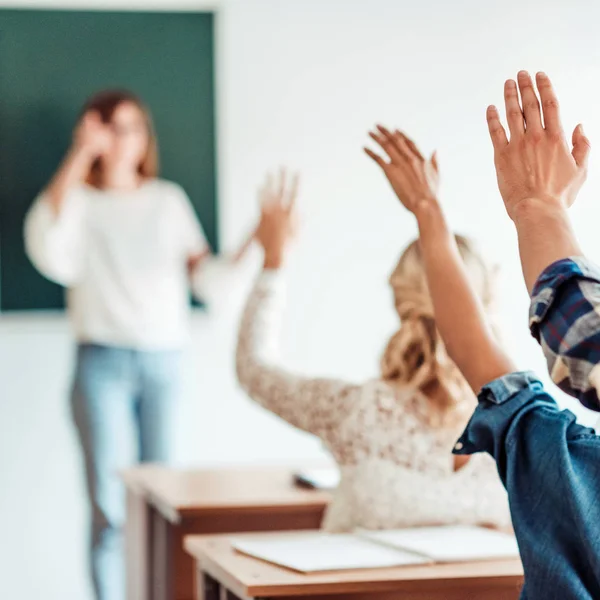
pixel 300 83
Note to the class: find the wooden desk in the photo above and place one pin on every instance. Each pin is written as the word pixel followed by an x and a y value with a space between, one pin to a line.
pixel 164 505
pixel 224 574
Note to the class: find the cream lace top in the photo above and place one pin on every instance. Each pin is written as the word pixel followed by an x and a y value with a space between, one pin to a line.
pixel 396 471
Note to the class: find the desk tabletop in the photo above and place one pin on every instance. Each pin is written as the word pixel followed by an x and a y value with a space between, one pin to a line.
pixel 179 493
pixel 250 577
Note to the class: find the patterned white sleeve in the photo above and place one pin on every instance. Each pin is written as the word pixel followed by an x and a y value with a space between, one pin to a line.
pixel 315 405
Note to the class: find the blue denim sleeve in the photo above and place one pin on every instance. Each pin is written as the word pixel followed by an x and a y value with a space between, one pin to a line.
pixel 550 466
pixel 565 318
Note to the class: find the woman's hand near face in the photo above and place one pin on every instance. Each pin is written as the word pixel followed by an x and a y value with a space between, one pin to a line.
pixel 277 220
pixel 92 136
pixel 90 140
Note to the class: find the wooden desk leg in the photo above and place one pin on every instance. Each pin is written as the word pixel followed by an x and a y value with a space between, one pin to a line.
pixel 162 578
pixel 207 588
pixel 137 539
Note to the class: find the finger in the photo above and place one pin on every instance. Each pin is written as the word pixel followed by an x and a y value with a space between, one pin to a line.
pixel 93 120
pixel 282 180
pixel 514 114
pixel 384 144
pixel 497 132
pixel 581 146
pixel 265 191
pixel 398 142
pixel 434 161
pixel 270 187
pixel 92 115
pixel 409 143
pixel 396 149
pixel 293 193
pixel 380 140
pixel 531 105
pixel 550 106
pixel 262 197
pixel 382 163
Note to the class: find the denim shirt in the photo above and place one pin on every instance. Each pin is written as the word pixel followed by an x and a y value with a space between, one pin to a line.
pixel 550 466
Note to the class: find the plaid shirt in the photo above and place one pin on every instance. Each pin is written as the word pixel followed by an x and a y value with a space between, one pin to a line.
pixel 565 319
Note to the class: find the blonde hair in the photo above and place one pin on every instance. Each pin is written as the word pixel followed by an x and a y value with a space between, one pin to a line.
pixel 415 354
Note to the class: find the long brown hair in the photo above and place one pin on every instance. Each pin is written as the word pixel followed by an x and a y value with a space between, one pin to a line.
pixel 415 354
pixel 105 103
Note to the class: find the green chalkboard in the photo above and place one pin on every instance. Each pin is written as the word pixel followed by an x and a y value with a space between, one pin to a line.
pixel 50 62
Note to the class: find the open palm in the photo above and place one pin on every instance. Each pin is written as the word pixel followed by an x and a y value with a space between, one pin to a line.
pixel 413 178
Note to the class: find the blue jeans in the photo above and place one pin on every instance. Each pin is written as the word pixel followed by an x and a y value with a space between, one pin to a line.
pixel 123 405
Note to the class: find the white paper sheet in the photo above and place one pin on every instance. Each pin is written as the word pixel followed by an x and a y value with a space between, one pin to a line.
pixel 315 551
pixel 449 543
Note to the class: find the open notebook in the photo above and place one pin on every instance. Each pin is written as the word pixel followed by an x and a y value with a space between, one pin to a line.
pixel 310 552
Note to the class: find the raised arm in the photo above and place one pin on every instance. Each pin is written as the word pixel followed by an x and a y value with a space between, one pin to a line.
pixel 53 226
pixel 89 142
pixel 547 462
pixel 316 405
pixel 459 315
pixel 539 176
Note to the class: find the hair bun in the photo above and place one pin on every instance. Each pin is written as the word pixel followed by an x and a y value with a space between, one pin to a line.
pixel 412 303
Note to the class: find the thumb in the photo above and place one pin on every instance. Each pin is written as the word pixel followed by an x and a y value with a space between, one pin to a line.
pixel 434 162
pixel 581 146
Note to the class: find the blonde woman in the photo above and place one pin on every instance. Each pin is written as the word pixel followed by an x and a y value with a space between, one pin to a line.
pixel 391 437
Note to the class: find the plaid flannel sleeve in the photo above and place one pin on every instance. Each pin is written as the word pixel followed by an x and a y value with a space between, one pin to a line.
pixel 565 319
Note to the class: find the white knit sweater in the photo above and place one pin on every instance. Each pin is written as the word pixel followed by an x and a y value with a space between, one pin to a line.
pixel 396 471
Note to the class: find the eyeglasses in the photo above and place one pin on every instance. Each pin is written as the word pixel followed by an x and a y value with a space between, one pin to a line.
pixel 125 130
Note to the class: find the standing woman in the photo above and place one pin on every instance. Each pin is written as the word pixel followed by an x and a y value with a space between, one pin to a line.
pixel 126 245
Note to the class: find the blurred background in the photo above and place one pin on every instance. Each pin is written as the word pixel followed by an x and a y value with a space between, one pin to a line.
pixel 238 87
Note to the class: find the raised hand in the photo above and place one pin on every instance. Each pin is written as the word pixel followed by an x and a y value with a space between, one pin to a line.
pixel 92 137
pixel 536 163
pixel 458 313
pixel 414 179
pixel 278 218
